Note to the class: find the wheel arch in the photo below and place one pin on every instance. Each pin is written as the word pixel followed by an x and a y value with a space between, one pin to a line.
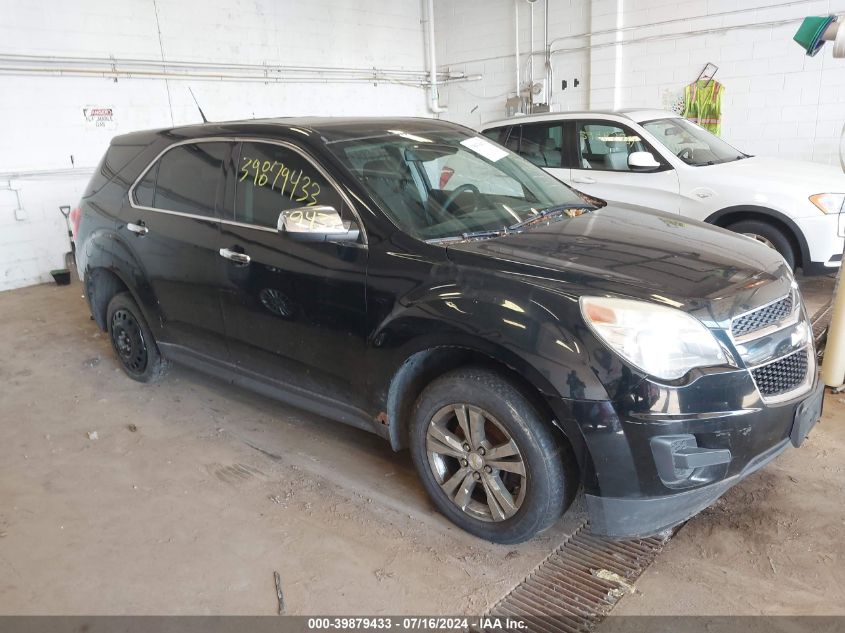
pixel 730 215
pixel 422 367
pixel 101 285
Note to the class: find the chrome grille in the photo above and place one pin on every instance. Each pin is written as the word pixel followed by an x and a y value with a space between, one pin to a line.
pixel 783 375
pixel 765 316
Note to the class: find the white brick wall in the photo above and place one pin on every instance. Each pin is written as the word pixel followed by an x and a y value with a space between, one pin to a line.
pixel 43 124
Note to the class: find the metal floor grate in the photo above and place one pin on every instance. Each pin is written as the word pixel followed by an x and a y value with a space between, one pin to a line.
pixel 579 583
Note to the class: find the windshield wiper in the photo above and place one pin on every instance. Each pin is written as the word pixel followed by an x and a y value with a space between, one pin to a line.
pixel 475 235
pixel 547 212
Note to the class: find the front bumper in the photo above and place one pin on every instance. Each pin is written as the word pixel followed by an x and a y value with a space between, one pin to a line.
pixel 628 491
pixel 629 518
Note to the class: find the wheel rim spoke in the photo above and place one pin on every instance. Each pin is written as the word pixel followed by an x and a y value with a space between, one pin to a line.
pixel 451 485
pixel 446 438
pixel 476 428
pixel 498 498
pixel 510 466
pixel 464 494
pixel 508 449
pixel 434 445
pixel 463 421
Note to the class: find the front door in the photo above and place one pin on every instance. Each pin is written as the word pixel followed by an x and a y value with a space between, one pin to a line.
pixel 295 311
pixel 601 168
pixel 171 224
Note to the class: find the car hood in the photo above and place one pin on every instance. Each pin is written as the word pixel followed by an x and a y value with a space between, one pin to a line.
pixel 809 178
pixel 644 255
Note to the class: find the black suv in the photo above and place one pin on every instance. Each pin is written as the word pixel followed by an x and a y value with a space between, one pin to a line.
pixel 416 280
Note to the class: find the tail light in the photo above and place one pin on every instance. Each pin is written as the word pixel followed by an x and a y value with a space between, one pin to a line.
pixel 74 217
pixel 445 174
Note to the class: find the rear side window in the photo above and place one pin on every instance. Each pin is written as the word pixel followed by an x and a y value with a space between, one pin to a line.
pixel 273 178
pixel 145 190
pixel 186 179
pixel 542 144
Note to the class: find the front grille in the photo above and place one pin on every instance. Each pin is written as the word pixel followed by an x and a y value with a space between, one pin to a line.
pixel 783 375
pixel 767 315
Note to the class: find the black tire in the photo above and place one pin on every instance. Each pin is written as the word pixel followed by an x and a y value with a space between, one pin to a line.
pixel 550 478
pixel 133 341
pixel 775 236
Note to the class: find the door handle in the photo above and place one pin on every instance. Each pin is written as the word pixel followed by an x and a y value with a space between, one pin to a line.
pixel 586 180
pixel 239 258
pixel 139 228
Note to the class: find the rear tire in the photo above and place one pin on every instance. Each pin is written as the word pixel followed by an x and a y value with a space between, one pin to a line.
pixel 767 234
pixel 133 341
pixel 488 459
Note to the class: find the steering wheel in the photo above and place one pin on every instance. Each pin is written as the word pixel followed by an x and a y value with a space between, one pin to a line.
pixel 458 191
pixel 685 154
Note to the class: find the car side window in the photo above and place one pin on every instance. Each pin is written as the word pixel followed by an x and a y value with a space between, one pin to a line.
pixel 498 134
pixel 542 143
pixel 273 178
pixel 606 146
pixel 145 190
pixel 187 179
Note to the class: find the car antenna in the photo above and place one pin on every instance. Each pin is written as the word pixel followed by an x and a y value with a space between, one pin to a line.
pixel 202 114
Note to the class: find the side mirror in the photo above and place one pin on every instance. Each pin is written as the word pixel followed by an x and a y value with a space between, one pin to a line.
pixel 642 161
pixel 316 224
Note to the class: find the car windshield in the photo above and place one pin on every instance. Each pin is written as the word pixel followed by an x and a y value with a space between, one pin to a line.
pixel 447 184
pixel 692 144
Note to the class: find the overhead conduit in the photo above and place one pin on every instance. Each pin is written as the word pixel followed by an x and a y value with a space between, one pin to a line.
pixel 116 68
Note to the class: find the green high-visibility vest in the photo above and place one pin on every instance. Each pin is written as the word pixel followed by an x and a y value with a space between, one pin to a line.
pixel 703 104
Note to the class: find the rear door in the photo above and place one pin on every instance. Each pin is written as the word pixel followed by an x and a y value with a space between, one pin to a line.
pixel 171 224
pixel 543 144
pixel 296 312
pixel 601 168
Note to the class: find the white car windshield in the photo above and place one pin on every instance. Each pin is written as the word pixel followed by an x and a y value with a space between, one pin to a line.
pixel 449 184
pixel 691 143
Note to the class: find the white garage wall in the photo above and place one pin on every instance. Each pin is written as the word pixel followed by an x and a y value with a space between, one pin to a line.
pixel 42 116
pixel 477 36
pixel 778 101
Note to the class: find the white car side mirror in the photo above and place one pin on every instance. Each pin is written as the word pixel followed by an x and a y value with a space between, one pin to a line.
pixel 642 161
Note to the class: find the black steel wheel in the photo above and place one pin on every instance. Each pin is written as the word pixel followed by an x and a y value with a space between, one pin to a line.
pixel 132 340
pixel 488 459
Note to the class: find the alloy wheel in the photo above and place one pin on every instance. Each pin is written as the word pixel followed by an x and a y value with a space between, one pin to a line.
pixel 476 462
pixel 761 239
pixel 128 341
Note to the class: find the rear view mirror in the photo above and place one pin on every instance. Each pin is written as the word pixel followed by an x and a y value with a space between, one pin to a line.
pixel 317 224
pixel 642 161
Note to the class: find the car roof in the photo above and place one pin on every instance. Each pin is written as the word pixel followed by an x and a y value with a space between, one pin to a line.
pixel 638 115
pixel 328 129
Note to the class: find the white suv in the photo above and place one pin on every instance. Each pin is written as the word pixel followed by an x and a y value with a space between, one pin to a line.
pixel 650 159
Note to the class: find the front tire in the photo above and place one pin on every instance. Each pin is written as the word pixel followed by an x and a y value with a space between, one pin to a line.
pixel 487 459
pixel 133 341
pixel 768 234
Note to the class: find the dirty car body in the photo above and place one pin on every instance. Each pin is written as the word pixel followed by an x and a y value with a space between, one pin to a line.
pixel 358 324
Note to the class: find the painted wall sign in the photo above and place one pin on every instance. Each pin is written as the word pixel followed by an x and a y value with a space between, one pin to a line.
pixel 99 117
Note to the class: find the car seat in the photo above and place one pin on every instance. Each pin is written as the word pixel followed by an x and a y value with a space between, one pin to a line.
pixel 552 156
pixel 616 158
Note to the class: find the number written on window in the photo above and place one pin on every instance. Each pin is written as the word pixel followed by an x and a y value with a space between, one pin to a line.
pixel 289 182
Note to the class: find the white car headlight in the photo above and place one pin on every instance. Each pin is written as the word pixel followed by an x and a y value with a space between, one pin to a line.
pixel 661 341
pixel 829 202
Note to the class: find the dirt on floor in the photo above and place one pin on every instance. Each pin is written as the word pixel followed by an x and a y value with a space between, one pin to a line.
pixel 184 498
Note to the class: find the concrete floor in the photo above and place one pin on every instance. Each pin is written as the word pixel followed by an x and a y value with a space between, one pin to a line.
pixel 194 492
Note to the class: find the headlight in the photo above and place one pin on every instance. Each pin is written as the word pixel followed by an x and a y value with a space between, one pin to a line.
pixel 828 202
pixel 661 341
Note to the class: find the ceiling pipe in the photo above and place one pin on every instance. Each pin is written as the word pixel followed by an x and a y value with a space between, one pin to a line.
pixel 433 96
